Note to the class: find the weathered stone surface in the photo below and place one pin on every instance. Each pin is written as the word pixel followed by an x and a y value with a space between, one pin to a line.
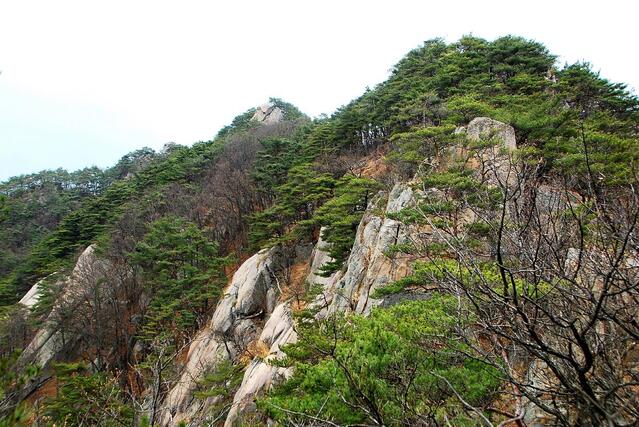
pixel 31 297
pixel 485 128
pixel 346 291
pixel 278 330
pixel 260 374
pixel 48 342
pixel 236 323
pixel 229 331
pixel 206 350
pixel 368 268
pixel 319 257
pixel 268 114
pixel 253 280
pixel 224 315
pixel 251 291
pixel 493 161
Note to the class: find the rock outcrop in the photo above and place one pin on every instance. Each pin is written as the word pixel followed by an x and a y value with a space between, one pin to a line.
pixel 252 321
pixel 485 128
pixel 253 295
pixel 235 326
pixel 368 267
pixel 493 143
pixel 49 341
pixel 268 114
pixel 31 297
pixel 278 331
pixel 261 374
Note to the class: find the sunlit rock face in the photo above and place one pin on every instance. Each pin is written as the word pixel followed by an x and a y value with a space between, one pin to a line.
pixel 260 375
pixel 268 114
pixel 251 312
pixel 370 266
pixel 255 294
pixel 227 334
pixel 31 297
pixel 367 269
pixel 487 128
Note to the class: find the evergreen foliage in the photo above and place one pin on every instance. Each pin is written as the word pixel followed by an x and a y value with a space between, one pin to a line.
pixel 340 217
pixel 14 376
pixel 403 365
pixel 221 385
pixel 83 398
pixel 304 190
pixel 81 226
pixel 182 274
pixel 273 163
pixel 396 367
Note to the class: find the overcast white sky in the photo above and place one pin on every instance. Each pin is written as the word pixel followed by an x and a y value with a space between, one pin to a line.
pixel 84 82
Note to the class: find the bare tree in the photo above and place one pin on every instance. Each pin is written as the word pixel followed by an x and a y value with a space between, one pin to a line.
pixel 547 269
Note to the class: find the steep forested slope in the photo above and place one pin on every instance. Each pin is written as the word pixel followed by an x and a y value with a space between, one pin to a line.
pixel 492 189
pixel 33 206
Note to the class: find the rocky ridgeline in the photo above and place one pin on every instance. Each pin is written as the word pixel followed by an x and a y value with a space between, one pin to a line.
pixel 368 267
pixel 254 298
pixel 350 289
pixel 251 297
pixel 253 318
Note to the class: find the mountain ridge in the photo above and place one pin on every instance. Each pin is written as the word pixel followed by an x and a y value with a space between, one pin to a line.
pixel 456 245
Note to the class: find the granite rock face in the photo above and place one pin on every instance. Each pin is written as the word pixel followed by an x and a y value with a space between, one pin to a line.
pixel 268 114
pixel 31 297
pixel 253 295
pixel 255 289
pixel 260 374
pixel 368 267
pixel 487 128
pixel 248 316
pixel 494 143
pixel 48 342
pixel 235 324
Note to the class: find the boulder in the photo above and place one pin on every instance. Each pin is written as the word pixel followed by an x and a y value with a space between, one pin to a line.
pixel 493 161
pixel 48 341
pixel 485 128
pixel 268 114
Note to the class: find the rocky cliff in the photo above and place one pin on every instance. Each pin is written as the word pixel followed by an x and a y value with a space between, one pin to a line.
pixel 248 315
pixel 254 318
pixel 370 266
pixel 253 313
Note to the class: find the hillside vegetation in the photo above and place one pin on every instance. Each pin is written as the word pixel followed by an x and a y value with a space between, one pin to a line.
pixel 519 300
